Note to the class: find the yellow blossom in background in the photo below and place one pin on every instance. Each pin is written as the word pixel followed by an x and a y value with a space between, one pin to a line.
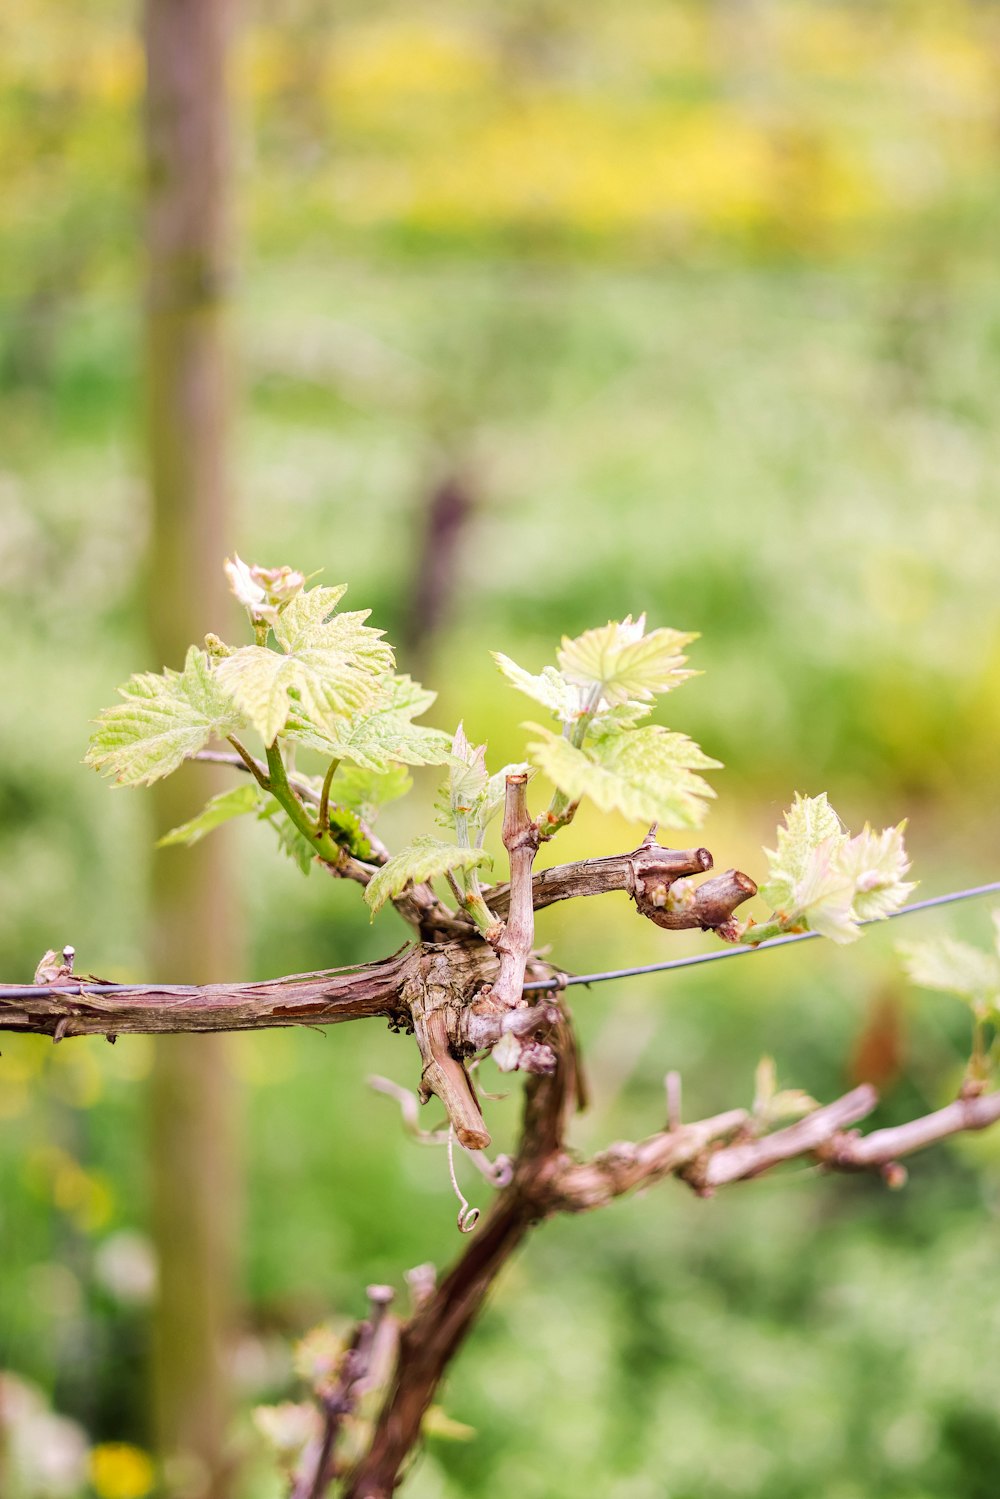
pixel 673 125
pixel 120 1471
pixel 408 65
pixel 84 1196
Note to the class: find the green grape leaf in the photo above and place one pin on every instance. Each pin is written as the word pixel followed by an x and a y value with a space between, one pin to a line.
pixel 565 700
pixel 307 612
pixel 822 897
pixel 366 792
pixel 161 721
pixel 622 663
pixel 470 798
pixel 610 668
pixel 828 882
pixel 876 863
pixel 464 787
pixel 334 667
pixel 809 822
pixel 424 859
pixel 216 811
pixel 954 967
pixel 647 774
pixel 467 776
pixel 382 736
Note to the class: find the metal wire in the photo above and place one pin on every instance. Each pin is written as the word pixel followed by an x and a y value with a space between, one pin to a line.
pixel 564 981
pixel 82 989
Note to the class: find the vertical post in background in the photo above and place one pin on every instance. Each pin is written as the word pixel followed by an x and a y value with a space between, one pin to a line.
pixel 193 1170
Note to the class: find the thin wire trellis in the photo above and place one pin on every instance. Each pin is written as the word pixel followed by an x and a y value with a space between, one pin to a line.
pixel 560 981
pixel 744 951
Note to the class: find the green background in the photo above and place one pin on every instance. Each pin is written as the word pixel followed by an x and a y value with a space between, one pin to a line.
pixel 705 313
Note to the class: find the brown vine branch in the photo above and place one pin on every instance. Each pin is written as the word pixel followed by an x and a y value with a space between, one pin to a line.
pixel 325 998
pixel 520 839
pixel 444 1074
pixel 547 1180
pixel 371 1345
pixel 432 1337
pixel 462 964
pixel 601 876
pixel 884 1146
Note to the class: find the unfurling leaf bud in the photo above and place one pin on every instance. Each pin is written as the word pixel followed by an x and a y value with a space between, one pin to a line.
pixel 263 591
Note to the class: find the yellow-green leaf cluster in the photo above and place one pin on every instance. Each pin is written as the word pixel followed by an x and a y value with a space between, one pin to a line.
pixel 617 664
pixel 822 879
pixel 621 663
pixel 331 664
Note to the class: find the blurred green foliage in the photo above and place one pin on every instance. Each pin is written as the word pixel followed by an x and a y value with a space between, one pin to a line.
pixel 703 312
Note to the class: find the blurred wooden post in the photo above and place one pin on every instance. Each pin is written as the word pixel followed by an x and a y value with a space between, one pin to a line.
pixel 192 1156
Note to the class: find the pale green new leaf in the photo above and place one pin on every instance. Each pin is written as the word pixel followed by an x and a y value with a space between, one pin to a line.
pixel 259 682
pixel 382 736
pixel 647 774
pixel 467 775
pixel 822 897
pixel 308 626
pixel 333 667
pixel 461 793
pixel 424 859
pixel 828 882
pixel 219 809
pixel 876 864
pixel 954 967
pixel 305 613
pixel 565 700
pixel 809 823
pixel 621 663
pixel 161 721
pixel 470 798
